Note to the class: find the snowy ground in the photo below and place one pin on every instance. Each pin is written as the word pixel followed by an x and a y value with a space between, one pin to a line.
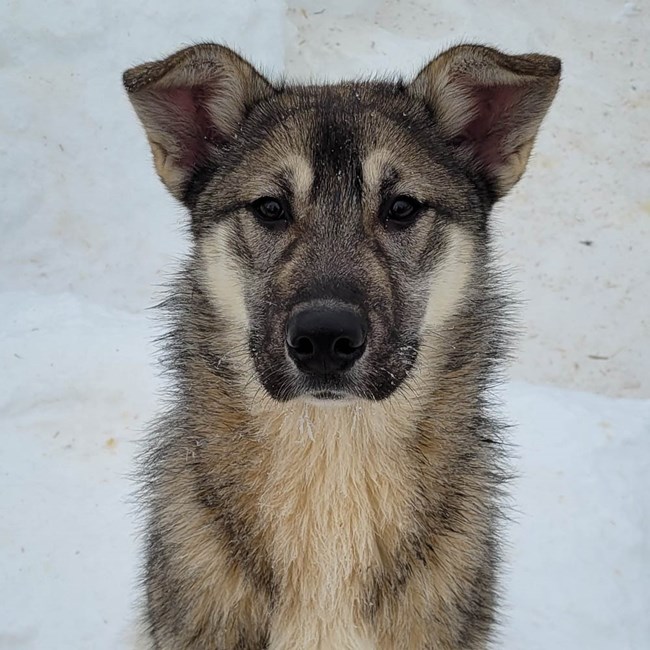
pixel 89 233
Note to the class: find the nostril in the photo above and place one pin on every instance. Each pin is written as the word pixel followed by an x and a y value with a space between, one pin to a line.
pixel 303 346
pixel 345 347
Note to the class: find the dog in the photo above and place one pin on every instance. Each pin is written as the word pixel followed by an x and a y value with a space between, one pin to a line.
pixel 329 473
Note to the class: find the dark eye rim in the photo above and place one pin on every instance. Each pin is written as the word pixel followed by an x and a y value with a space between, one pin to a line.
pixel 259 208
pixel 393 220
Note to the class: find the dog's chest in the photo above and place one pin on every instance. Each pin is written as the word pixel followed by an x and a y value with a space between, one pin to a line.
pixel 336 504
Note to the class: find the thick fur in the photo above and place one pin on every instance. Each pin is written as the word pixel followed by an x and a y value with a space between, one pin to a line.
pixel 277 519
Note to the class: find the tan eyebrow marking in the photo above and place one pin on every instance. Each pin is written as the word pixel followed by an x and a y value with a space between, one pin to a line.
pixel 301 176
pixel 374 167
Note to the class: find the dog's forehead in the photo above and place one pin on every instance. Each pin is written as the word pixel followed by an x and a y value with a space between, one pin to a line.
pixel 327 138
pixel 333 120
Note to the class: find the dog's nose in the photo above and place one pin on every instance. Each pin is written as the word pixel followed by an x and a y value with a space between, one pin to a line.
pixel 325 340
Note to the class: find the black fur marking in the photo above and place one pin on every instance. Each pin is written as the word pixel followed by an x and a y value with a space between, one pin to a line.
pixel 252 640
pixel 195 185
pixel 336 156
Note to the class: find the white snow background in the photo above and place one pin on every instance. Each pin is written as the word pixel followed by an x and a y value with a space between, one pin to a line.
pixel 89 235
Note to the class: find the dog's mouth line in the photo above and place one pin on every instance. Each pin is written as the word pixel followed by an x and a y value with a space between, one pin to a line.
pixel 329 394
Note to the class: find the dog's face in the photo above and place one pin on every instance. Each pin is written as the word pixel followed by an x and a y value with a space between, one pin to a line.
pixel 322 238
pixel 338 227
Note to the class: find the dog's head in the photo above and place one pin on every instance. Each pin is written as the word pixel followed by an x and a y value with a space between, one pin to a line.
pixel 338 227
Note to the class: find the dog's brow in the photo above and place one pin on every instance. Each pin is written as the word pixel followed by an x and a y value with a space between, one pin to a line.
pixel 300 176
pixel 376 167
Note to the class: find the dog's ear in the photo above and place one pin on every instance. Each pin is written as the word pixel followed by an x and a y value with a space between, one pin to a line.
pixel 190 104
pixel 489 105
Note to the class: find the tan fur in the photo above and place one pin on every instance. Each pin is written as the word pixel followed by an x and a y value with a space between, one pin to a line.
pixel 301 175
pixel 516 164
pixel 222 279
pixel 374 168
pixel 331 515
pixel 448 284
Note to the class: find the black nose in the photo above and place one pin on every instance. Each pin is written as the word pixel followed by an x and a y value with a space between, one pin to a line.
pixel 325 340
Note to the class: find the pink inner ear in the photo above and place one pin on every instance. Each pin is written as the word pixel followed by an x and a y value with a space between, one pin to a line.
pixel 487 132
pixel 183 112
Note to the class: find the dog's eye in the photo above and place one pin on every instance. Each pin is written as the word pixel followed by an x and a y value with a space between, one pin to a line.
pixel 402 212
pixel 271 212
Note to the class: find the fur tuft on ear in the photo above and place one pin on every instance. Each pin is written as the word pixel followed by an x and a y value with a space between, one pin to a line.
pixel 490 105
pixel 190 104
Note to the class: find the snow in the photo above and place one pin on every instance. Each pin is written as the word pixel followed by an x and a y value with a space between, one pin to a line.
pixel 580 575
pixel 89 234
